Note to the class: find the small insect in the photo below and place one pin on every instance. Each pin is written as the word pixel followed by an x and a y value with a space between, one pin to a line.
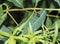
pixel 38 15
pixel 18 33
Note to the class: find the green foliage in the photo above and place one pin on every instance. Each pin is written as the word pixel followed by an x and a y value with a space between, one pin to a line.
pixel 10 41
pixel 58 1
pixel 35 2
pixel 48 22
pixel 51 6
pixel 36 20
pixel 2 15
pixel 58 38
pixel 43 4
pixel 18 3
pixel 36 26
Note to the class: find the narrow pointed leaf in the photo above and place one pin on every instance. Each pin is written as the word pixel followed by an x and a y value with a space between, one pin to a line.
pixel 35 2
pixel 2 18
pixel 51 7
pixel 48 22
pixel 1 11
pixel 18 3
pixel 56 32
pixel 58 38
pixel 2 15
pixel 36 20
pixel 27 15
pixel 43 4
pixel 58 1
pixel 30 31
pixel 5 29
pixel 4 33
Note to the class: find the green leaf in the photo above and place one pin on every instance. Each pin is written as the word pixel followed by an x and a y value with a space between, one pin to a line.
pixel 59 11
pixel 4 33
pixel 18 3
pixel 5 29
pixel 2 18
pixel 51 7
pixel 58 23
pixel 9 3
pixel 36 20
pixel 31 42
pixel 27 15
pixel 48 22
pixel 2 37
pixel 11 28
pixel 58 38
pixel 20 27
pixel 10 41
pixel 37 32
pixel 58 1
pixel 30 30
pixel 56 32
pixel 1 11
pixel 43 4
pixel 35 2
pixel 2 15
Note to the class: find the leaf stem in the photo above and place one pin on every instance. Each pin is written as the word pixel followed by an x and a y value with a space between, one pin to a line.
pixel 25 9
pixel 53 16
pixel 12 18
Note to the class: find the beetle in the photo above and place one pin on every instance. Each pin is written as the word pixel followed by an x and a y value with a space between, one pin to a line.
pixel 38 15
pixel 18 33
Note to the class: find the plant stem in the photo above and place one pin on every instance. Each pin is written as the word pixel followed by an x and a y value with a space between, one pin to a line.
pixel 12 18
pixel 53 16
pixel 25 9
